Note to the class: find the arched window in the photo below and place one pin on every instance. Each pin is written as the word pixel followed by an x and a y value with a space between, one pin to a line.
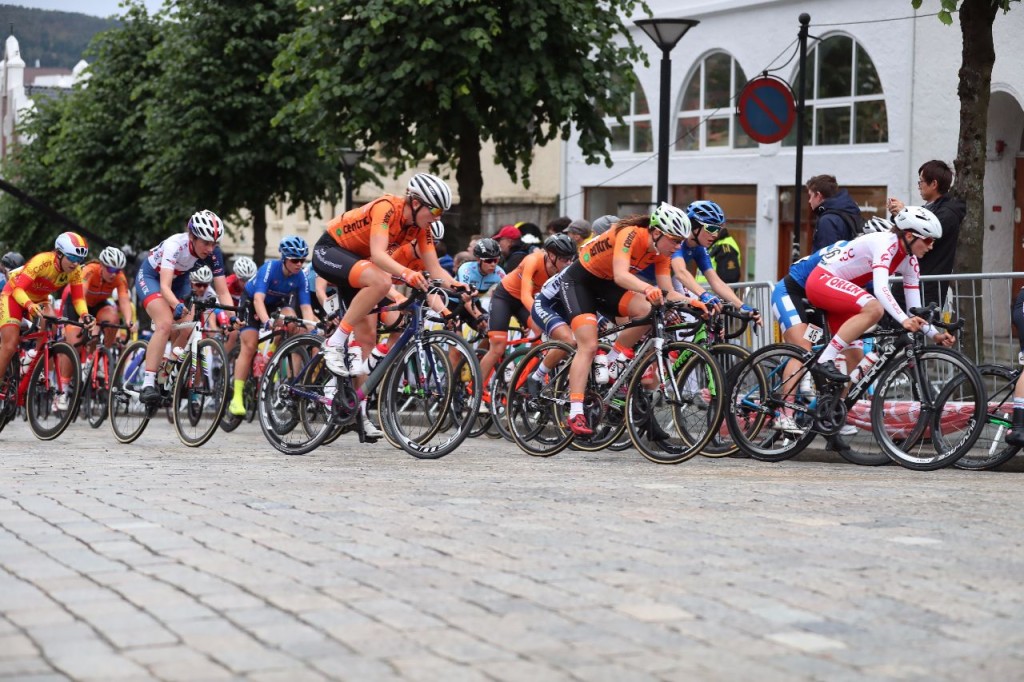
pixel 635 135
pixel 845 102
pixel 709 97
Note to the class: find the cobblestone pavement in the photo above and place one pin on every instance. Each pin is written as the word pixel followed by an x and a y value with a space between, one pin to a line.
pixel 155 561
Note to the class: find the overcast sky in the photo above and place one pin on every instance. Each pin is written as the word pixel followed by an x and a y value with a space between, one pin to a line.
pixel 98 8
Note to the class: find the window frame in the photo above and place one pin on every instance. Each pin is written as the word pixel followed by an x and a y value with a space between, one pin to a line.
pixel 706 114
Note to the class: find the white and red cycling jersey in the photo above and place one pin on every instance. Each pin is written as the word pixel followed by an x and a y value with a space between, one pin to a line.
pixel 174 253
pixel 837 284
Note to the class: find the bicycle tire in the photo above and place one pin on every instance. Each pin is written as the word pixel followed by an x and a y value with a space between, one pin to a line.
pixel 991 450
pixel 670 411
pixel 229 422
pixel 42 390
pixel 758 389
pixel 281 393
pixel 96 410
pixel 439 384
pixel 9 391
pixel 201 395
pixel 128 417
pixel 532 420
pixel 484 419
pixel 930 440
pixel 728 356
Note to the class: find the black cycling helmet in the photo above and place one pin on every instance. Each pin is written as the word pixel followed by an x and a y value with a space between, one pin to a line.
pixel 561 245
pixel 487 248
pixel 12 259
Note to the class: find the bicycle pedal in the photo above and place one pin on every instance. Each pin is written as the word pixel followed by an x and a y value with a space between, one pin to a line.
pixel 363 438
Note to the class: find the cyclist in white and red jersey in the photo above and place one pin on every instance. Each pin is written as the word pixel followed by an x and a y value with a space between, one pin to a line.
pixel 836 285
pixel 162 283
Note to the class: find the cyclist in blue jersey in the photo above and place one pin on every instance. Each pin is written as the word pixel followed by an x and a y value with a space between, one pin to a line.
pixel 264 295
pixel 707 220
pixel 483 273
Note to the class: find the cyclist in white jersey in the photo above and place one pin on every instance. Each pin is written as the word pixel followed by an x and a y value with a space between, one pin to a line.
pixel 836 284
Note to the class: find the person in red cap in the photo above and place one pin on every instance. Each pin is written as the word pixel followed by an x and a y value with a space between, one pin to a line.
pixel 513 250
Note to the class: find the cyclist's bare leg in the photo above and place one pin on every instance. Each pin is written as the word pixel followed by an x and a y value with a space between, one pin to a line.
pixel 10 335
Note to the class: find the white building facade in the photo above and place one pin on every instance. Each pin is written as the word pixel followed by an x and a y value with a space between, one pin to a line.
pixel 882 99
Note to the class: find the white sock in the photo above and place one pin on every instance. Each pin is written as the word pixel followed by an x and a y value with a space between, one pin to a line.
pixel 338 338
pixel 362 409
pixel 540 373
pixel 148 379
pixel 575 408
pixel 833 349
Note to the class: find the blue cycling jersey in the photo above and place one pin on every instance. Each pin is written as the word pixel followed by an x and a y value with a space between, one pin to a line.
pixel 802 269
pixel 469 273
pixel 695 253
pixel 271 281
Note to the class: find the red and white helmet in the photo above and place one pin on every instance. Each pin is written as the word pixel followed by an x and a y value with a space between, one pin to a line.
pixel 73 245
pixel 206 225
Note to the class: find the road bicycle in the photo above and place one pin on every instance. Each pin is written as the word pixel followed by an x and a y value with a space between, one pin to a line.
pixel 991 450
pixel 667 398
pixel 97 368
pixel 303 405
pixel 193 382
pixel 925 410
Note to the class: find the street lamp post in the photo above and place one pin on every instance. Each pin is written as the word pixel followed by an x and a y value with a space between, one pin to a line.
pixel 665 33
pixel 349 160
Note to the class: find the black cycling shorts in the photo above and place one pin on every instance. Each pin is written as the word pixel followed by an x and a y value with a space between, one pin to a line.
pixel 335 264
pixel 503 307
pixel 584 293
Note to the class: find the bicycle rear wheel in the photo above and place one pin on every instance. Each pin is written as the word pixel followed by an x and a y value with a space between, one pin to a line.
pixel 48 415
pixel 672 408
pixel 991 450
pixel 769 380
pixel 9 392
pixel 285 397
pixel 200 393
pixel 728 356
pixel 95 409
pixel 928 414
pixel 533 419
pixel 128 416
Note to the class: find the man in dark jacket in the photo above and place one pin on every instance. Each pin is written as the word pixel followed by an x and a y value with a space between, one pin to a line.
pixel 838 216
pixel 934 180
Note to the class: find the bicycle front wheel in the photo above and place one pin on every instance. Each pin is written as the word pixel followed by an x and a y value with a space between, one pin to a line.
pixel 991 449
pixel 293 407
pixel 200 393
pixel 532 413
pixel 52 399
pixel 728 357
pixel 928 411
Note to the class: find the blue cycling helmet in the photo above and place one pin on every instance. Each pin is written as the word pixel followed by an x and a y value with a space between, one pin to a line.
pixel 705 213
pixel 293 247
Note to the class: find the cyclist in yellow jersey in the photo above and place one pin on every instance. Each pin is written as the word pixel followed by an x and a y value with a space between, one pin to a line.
pixel 44 274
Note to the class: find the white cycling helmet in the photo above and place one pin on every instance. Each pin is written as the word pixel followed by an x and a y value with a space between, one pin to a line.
pixel 113 257
pixel 672 221
pixel 437 230
pixel 431 190
pixel 920 221
pixel 201 275
pixel 206 225
pixel 877 225
pixel 245 268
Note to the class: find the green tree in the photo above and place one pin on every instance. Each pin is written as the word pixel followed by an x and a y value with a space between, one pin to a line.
pixel 86 149
pixel 978 55
pixel 432 79
pixel 209 135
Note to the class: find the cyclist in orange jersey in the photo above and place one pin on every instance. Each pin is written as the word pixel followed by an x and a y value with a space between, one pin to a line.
pixel 602 280
pixel 29 289
pixel 353 255
pixel 100 279
pixel 514 297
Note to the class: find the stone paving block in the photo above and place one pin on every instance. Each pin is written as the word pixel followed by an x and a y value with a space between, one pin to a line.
pixel 18 668
pixel 99 666
pixel 17 646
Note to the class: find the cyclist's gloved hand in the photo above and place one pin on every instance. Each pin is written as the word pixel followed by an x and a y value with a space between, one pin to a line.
pixel 654 294
pixel 268 325
pixel 709 299
pixel 697 304
pixel 414 279
pixel 179 311
pixel 233 321
pixel 31 309
pixel 89 321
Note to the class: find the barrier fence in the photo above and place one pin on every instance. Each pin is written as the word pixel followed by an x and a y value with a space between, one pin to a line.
pixel 990 294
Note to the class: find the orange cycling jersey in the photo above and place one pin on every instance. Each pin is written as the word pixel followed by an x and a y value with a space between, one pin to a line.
pixel 407 256
pixel 352 229
pixel 530 270
pixel 628 244
pixel 40 277
pixel 96 290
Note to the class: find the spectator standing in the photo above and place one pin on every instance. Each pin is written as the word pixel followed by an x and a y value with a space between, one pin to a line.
pixel 513 251
pixel 838 216
pixel 579 230
pixel 557 225
pixel 935 178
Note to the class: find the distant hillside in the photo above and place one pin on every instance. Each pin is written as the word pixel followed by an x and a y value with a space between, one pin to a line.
pixel 56 39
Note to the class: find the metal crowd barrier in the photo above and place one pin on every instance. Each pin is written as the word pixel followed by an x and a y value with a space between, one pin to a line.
pixel 992 295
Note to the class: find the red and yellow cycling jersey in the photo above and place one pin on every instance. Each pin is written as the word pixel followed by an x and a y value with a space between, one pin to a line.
pixel 352 229
pixel 527 279
pixel 96 290
pixel 41 276
pixel 629 244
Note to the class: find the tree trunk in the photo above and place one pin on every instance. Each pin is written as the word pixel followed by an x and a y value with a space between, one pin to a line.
pixel 976 18
pixel 471 184
pixel 259 234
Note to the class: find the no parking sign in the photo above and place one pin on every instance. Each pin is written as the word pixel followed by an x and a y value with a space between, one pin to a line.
pixel 766 109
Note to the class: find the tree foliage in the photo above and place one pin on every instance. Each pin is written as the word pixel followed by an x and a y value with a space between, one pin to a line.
pixel 432 79
pixel 209 137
